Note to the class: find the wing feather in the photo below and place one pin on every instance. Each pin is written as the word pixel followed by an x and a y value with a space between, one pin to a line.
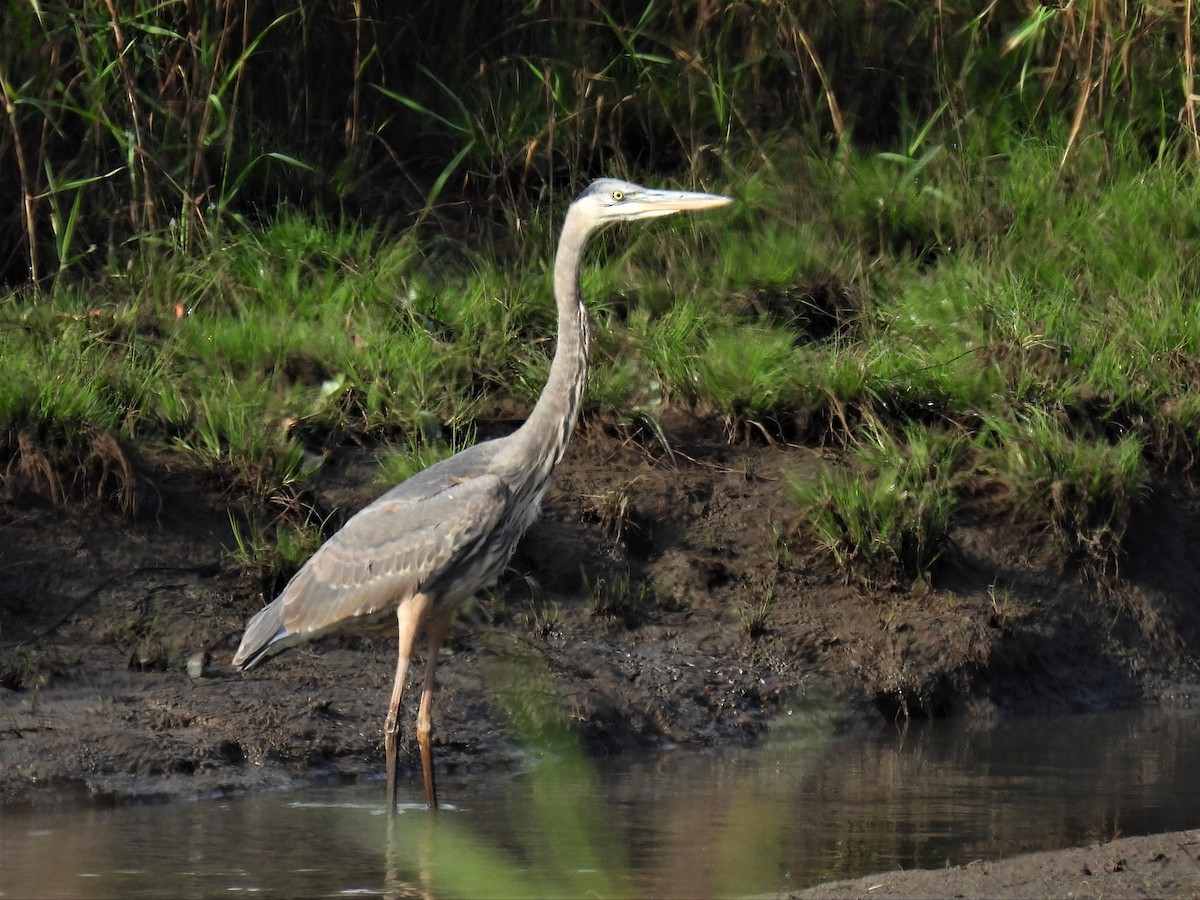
pixel 402 544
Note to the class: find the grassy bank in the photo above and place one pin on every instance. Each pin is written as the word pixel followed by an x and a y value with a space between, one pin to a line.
pixel 944 325
pixel 962 263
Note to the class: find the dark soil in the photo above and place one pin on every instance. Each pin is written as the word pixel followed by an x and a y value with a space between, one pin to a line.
pixel 658 600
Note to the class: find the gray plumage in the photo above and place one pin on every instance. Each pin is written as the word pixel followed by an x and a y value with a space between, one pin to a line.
pixel 415 538
pixel 433 541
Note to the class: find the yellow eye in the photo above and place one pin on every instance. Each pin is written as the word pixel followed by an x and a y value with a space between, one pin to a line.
pixel 618 195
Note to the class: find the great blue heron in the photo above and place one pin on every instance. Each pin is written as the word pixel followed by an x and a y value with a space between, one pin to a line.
pixel 436 539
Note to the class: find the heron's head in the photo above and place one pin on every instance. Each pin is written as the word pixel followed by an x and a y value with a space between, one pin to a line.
pixel 609 200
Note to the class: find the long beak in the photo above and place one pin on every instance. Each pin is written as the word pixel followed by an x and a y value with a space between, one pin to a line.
pixel 651 202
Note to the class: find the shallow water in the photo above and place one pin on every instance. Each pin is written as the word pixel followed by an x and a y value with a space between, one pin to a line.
pixel 798 810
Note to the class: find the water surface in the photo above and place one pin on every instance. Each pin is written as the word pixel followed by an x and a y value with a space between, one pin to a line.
pixel 800 809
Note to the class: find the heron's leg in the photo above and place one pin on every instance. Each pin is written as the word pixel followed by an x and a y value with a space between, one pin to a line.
pixel 436 629
pixel 409 616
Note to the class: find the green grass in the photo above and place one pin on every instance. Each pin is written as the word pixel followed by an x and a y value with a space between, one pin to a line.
pixel 163 118
pixel 934 320
pixel 885 513
pixel 1085 489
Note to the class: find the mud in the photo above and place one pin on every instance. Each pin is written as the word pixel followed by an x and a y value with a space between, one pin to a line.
pixel 662 598
pixel 1161 866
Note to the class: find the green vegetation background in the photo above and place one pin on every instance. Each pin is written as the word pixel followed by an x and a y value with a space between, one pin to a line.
pixel 964 251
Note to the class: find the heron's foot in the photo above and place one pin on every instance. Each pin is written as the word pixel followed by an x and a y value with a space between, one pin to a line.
pixel 425 744
pixel 430 784
pixel 390 752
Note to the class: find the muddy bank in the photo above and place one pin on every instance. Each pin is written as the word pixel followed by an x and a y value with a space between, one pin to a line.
pixel 658 601
pixel 1162 866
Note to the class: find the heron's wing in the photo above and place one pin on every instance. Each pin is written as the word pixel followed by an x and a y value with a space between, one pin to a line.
pixel 390 551
pixel 466 465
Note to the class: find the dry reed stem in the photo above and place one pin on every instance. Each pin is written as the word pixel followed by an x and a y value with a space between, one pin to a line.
pixel 146 218
pixel 1087 84
pixel 28 198
pixel 835 112
pixel 1189 81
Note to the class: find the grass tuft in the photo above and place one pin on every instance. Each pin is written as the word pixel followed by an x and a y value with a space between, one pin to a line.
pixel 885 514
pixel 1083 489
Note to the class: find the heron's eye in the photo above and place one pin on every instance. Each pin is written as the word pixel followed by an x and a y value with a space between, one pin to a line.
pixel 618 195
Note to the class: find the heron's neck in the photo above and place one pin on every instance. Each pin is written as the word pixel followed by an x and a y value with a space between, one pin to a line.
pixel 543 437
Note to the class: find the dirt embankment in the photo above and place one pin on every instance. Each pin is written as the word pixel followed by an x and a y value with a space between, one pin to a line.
pixel 1159 866
pixel 657 600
